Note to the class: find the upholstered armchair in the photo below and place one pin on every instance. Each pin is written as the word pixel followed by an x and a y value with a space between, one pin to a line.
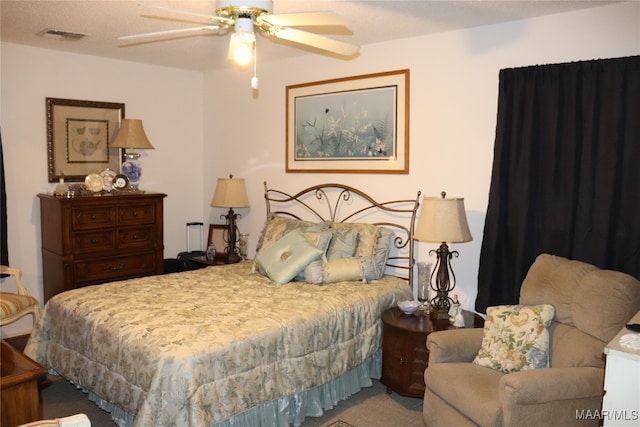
pixel 17 303
pixel 590 305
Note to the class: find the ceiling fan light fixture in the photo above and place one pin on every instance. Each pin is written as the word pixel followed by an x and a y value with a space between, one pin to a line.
pixel 251 8
pixel 241 48
pixel 245 15
pixel 242 42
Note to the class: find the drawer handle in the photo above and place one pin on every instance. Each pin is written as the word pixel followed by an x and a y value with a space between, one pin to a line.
pixel 135 237
pixel 94 241
pixel 115 267
pixel 93 217
pixel 134 213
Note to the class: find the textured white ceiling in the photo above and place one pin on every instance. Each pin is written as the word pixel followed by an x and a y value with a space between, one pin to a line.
pixel 372 22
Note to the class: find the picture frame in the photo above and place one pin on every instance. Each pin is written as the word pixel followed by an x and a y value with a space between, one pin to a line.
pixel 79 134
pixel 216 236
pixel 354 124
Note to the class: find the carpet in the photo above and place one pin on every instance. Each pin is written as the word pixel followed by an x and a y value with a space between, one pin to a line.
pixel 371 407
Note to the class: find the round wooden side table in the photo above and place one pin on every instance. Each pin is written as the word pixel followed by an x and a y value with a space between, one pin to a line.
pixel 404 347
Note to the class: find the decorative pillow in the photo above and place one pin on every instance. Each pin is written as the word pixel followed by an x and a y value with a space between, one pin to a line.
pixel 319 240
pixel 381 249
pixel 343 244
pixel 276 226
pixel 287 257
pixel 516 337
pixel 336 270
pixel 370 268
pixel 373 241
pixel 367 235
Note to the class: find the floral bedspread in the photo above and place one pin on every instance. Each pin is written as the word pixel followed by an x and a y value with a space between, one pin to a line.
pixel 194 348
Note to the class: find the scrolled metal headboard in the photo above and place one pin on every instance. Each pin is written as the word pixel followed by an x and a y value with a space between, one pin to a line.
pixel 342 203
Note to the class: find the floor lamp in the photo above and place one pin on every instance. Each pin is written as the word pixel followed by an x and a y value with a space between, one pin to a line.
pixel 231 193
pixel 443 220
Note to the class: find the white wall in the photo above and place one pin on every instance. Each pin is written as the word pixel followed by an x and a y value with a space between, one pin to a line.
pixel 454 89
pixel 170 103
pixel 203 129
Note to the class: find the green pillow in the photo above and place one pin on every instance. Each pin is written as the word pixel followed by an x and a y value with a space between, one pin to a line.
pixel 516 337
pixel 319 240
pixel 287 257
pixel 343 244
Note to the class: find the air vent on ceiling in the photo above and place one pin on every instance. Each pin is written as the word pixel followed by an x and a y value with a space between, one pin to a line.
pixel 50 33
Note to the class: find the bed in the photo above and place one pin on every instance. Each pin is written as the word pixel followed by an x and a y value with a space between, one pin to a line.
pixel 239 345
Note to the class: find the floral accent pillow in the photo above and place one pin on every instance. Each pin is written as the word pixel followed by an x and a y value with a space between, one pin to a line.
pixel 516 337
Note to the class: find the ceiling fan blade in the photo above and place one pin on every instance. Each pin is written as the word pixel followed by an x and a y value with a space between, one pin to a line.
pixel 221 19
pixel 320 42
pixel 306 19
pixel 170 32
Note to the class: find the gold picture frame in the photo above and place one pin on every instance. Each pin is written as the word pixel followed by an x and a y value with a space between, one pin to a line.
pixel 355 124
pixel 79 135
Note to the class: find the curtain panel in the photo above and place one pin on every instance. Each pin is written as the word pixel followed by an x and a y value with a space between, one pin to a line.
pixel 566 172
pixel 4 244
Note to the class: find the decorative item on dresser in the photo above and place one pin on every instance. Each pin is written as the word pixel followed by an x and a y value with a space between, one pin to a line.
pixel 101 238
pixel 131 135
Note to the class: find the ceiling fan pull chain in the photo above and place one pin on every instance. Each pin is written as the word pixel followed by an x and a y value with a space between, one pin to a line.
pixel 254 79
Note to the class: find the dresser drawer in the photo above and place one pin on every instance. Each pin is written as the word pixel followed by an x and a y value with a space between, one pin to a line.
pixel 136 214
pixel 118 267
pixel 86 218
pixel 94 241
pixel 136 237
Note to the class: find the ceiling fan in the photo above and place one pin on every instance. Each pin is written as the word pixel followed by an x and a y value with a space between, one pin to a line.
pixel 246 16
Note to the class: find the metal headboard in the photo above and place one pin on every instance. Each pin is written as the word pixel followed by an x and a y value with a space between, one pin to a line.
pixel 342 203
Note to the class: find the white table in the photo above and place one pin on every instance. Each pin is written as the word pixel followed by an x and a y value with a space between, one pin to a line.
pixel 621 404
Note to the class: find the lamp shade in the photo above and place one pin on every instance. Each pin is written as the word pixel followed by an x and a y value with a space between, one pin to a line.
pixel 230 193
pixel 443 220
pixel 131 135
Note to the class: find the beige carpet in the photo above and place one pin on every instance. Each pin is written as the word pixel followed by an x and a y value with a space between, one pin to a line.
pixel 340 424
pixel 371 407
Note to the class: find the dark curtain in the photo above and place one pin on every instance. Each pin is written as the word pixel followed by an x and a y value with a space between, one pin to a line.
pixel 566 172
pixel 4 246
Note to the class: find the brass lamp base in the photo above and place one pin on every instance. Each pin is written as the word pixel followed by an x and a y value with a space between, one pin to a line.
pixel 441 314
pixel 443 285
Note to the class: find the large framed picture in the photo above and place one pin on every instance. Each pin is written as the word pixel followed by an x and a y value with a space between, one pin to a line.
pixel 350 125
pixel 79 136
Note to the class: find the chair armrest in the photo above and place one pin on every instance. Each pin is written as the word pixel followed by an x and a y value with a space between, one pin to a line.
pixel 539 386
pixel 454 345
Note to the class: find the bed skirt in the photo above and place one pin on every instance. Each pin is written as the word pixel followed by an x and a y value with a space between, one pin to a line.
pixel 287 410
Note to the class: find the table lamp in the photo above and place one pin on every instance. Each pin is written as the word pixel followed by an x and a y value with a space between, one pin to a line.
pixel 230 193
pixel 131 135
pixel 443 220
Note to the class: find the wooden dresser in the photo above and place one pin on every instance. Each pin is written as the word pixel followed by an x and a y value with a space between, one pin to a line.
pixel 101 238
